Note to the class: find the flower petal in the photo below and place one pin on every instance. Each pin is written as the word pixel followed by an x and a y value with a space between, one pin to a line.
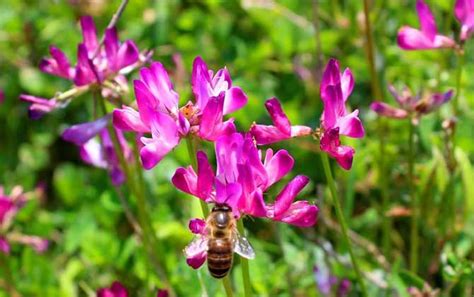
pixel 331 144
pixel 128 119
pixel 185 179
pixel 347 83
pixel 278 166
pixel 427 20
pixel 197 226
pixel 4 246
pixel 235 99
pixel 205 177
pixel 386 110
pixel 211 126
pixel 200 82
pixel 350 125
pixel 284 200
pixel 81 133
pixel 89 34
pixel 301 214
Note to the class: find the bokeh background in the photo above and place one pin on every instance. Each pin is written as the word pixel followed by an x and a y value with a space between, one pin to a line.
pixel 272 48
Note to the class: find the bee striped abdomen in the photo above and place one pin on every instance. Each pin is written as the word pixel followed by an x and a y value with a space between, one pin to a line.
pixel 219 257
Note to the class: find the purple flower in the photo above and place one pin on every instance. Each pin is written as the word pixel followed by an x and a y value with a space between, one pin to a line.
pixel 39 106
pixel 327 282
pixel 241 181
pixel 336 120
pixel 2 96
pixel 115 290
pixel 9 206
pixel 281 128
pixel 410 105
pixel 464 11
pixel 159 114
pixel 99 152
pixel 427 38
pixel 58 64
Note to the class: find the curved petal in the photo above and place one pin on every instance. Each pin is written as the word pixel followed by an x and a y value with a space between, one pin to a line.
pixel 128 119
pixel 347 83
pixel 92 153
pixel 59 64
pixel 386 110
pixel 278 166
pixel 200 82
pixel 197 226
pixel 211 126
pixel 89 34
pixel 205 177
pixel 427 20
pixel 279 118
pixel 4 246
pixel 81 133
pixel 301 214
pixel 185 179
pixel 297 131
pixel 331 76
pixel 331 144
pixel 350 125
pixel 333 106
pixel 127 55
pixel 284 200
pixel 413 39
pixel 265 134
pixel 235 99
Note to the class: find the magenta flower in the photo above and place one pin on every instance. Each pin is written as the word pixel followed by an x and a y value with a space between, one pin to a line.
pixel 427 38
pixel 411 106
pixel 39 106
pixel 336 120
pixel 241 181
pixel 281 128
pixel 159 114
pixel 115 290
pixel 2 96
pixel 464 11
pixel 99 152
pixel 9 206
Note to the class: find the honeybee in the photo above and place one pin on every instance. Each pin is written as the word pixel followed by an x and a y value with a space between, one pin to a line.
pixel 220 241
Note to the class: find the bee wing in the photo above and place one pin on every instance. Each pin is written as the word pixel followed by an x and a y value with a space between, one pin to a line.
pixel 242 246
pixel 196 247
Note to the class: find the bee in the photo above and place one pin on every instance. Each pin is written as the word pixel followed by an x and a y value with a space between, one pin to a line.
pixel 220 240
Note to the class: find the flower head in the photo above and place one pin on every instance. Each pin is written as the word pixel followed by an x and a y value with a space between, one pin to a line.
pixel 410 105
pixel 336 120
pixel 9 206
pixel 115 290
pixel 464 11
pixel 99 152
pixel 159 114
pixel 241 180
pixel 425 38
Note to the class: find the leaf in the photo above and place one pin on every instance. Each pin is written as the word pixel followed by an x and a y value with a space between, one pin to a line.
pixel 467 179
pixel 410 279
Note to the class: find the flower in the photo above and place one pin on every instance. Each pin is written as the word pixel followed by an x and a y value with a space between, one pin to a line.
pixel 9 207
pixel 411 106
pixel 99 152
pixel 103 64
pixel 326 282
pixel 336 120
pixel 464 11
pixel 427 38
pixel 241 181
pixel 2 96
pixel 115 290
pixel 281 128
pixel 159 114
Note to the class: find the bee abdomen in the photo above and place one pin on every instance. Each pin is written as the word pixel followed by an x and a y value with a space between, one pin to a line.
pixel 219 257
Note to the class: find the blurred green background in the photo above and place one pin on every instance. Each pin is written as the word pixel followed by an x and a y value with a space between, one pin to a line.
pixel 272 48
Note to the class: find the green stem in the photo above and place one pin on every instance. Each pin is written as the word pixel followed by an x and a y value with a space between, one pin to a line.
pixel 245 264
pixel 459 69
pixel 414 200
pixel 342 221
pixel 9 284
pixel 192 157
pixel 149 238
pixel 227 286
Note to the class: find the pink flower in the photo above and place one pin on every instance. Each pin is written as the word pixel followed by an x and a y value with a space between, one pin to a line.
pixel 9 206
pixel 2 96
pixel 336 120
pixel 115 290
pixel 99 152
pixel 427 38
pixel 281 128
pixel 410 105
pixel 464 11
pixel 241 181
pixel 159 114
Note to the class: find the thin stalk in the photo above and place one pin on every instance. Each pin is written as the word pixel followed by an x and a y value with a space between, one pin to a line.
pixel 414 200
pixel 377 95
pixel 459 69
pixel 149 238
pixel 227 286
pixel 342 221
pixel 192 157
pixel 245 265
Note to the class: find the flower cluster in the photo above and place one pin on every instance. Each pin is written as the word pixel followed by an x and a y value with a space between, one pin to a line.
pixel 335 120
pixel 159 114
pixel 427 36
pixel 97 64
pixel 411 106
pixel 9 207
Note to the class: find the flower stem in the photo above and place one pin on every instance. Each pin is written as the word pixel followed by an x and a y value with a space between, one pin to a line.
pixel 149 238
pixel 459 69
pixel 414 200
pixel 227 286
pixel 192 157
pixel 245 264
pixel 342 221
